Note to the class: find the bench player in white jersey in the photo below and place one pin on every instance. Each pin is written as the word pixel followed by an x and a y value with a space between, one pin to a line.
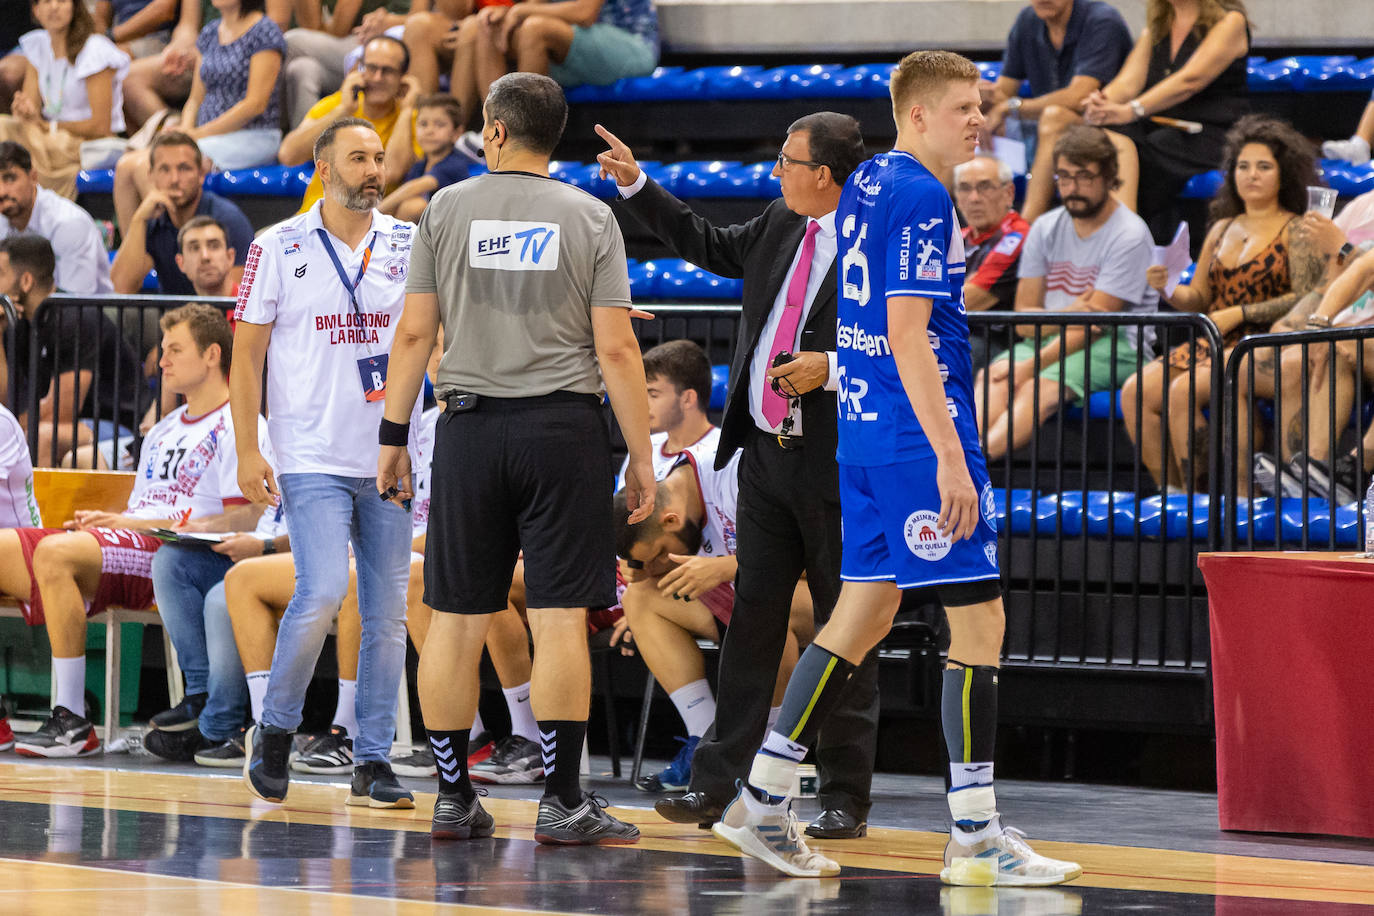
pixel 914 494
pixel 678 376
pixel 18 507
pixel 187 475
pixel 682 568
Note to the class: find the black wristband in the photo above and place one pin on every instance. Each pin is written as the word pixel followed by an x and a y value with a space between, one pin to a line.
pixel 269 546
pixel 389 433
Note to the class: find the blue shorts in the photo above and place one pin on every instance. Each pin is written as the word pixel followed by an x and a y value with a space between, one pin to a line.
pixel 888 514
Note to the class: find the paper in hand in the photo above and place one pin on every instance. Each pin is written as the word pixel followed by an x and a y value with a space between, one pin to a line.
pixel 1175 257
pixel 1012 152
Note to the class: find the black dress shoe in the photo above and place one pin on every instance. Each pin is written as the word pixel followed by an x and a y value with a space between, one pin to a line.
pixel 837 824
pixel 693 808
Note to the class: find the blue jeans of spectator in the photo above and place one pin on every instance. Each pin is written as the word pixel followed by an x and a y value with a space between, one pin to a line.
pixel 324 513
pixel 189 585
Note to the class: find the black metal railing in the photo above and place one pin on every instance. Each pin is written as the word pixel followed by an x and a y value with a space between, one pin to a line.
pixel 1293 402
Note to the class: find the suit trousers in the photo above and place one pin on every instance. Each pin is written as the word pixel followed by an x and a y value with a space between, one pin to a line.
pixel 784 528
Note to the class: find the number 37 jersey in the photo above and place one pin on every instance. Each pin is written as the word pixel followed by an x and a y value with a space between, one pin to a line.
pixel 898 235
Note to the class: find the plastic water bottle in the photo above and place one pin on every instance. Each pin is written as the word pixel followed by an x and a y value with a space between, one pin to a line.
pixel 1369 520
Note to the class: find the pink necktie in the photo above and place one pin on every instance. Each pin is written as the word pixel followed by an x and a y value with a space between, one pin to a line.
pixel 775 406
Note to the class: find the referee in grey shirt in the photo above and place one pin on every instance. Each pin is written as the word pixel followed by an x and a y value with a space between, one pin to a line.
pixel 528 277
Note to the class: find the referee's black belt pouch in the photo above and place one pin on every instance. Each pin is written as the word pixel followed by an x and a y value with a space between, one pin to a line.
pixel 464 401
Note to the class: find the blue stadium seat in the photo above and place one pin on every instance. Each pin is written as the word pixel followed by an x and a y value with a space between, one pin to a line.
pixel 1332 74
pixel 1101 405
pixel 1202 186
pixel 866 81
pixel 1104 508
pixel 1017 518
pixel 1059 511
pixel 720 384
pixel 681 280
pixel 262 181
pixel 643 277
pixel 95 181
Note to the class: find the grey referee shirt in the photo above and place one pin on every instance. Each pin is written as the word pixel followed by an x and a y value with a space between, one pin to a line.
pixel 518 262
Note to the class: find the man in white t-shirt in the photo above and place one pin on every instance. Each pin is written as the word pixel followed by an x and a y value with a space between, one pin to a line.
pixel 1089 255
pixel 678 376
pixel 18 508
pixel 319 301
pixel 83 267
pixel 186 477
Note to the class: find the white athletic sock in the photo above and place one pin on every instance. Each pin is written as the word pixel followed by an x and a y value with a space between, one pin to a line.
pixel 346 712
pixel 696 706
pixel 773 713
pixel 477 727
pixel 69 676
pixel 257 692
pixel 521 715
pixel 970 774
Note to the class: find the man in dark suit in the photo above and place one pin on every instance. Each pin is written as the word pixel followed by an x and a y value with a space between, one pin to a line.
pixel 783 414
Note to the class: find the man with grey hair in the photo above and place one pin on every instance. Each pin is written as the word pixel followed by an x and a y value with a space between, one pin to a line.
pixel 528 277
pixel 319 302
pixel 993 236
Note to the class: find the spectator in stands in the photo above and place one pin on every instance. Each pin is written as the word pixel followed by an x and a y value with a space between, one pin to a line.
pixel 12 63
pixel 157 82
pixel 577 42
pixel 438 124
pixel 82 360
pixel 1090 255
pixel 317 47
pixel 104 559
pixel 71 93
pixel 1356 149
pixel 993 236
pixel 1066 50
pixel 156 215
pixel 207 258
pixel 372 92
pixel 83 267
pixel 1243 283
pixel 140 27
pixel 446 37
pixel 1187 65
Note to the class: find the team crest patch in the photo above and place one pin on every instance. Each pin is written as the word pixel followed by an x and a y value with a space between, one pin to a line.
pixel 989 506
pixel 990 551
pixel 396 268
pixel 923 537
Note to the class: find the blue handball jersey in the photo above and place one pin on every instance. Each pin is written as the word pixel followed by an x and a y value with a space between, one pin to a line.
pixel 898 236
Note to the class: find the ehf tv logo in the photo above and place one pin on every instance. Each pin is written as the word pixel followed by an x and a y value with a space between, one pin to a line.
pixel 498 244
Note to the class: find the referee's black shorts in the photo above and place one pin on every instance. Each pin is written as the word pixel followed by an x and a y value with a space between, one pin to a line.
pixel 530 474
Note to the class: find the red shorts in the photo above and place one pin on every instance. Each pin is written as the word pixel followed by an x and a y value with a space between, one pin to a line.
pixel 720 601
pixel 598 618
pixel 126 563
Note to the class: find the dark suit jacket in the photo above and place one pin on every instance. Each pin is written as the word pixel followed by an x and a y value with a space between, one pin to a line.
pixel 759 251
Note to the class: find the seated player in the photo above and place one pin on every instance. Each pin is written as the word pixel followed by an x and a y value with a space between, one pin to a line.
pixel 188 475
pixel 682 570
pixel 677 375
pixel 16 481
pixel 437 127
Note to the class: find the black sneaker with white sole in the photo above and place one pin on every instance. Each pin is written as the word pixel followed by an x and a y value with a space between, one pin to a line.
pixel 376 786
pixel 456 819
pixel 515 760
pixel 267 749
pixel 331 752
pixel 182 717
pixel 228 754
pixel 179 746
pixel 420 763
pixel 585 824
pixel 62 734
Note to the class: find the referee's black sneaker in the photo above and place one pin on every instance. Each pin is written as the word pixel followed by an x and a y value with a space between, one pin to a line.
pixel 586 824
pixel 182 717
pixel 456 819
pixel 267 752
pixel 376 786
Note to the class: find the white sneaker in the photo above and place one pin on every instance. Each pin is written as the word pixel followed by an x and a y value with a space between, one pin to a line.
pixel 772 834
pixel 1005 860
pixel 1355 150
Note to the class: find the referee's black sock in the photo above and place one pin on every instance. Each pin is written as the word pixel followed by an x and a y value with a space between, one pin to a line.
pixel 451 758
pixel 560 742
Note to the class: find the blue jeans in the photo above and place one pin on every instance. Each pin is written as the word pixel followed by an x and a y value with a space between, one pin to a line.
pixel 324 513
pixel 189 585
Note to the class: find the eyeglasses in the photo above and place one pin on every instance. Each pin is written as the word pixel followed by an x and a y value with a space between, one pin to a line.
pixel 785 160
pixel 380 70
pixel 982 188
pixel 1067 179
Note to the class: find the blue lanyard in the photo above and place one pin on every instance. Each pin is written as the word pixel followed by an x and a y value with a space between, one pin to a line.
pixel 350 288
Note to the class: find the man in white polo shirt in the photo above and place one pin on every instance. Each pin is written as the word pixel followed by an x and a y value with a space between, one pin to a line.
pixel 325 290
